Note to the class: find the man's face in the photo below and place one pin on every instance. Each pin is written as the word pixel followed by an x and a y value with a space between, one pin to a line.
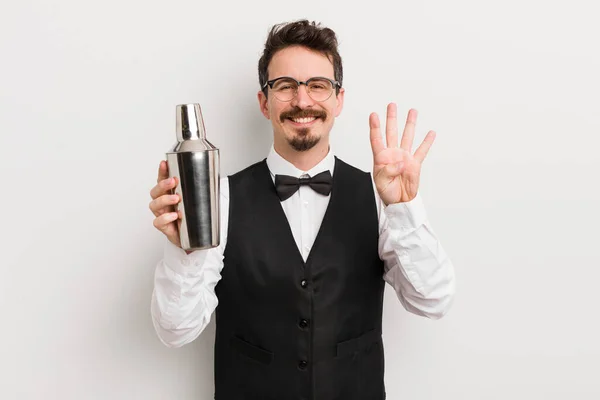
pixel 301 122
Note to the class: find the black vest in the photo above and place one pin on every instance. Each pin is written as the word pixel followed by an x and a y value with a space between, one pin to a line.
pixel 286 329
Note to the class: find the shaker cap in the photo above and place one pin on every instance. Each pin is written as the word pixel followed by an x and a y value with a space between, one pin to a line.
pixel 190 125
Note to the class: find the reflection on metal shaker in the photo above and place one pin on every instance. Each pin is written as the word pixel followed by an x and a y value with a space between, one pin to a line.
pixel 195 163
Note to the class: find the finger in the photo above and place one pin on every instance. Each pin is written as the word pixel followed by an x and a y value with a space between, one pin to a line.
pixel 163 171
pixel 163 204
pixel 376 140
pixel 164 223
pixel 409 130
pixel 391 126
pixel 423 149
pixel 163 187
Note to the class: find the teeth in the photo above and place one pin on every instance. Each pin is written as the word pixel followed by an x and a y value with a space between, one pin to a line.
pixel 303 120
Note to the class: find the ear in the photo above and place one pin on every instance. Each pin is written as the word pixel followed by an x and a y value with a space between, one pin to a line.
pixel 340 102
pixel 263 103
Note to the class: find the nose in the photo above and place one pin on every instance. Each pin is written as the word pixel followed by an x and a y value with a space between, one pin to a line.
pixel 302 99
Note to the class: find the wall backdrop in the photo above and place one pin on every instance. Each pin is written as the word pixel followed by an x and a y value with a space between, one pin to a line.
pixel 87 110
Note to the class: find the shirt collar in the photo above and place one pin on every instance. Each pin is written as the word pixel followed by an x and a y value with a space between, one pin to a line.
pixel 280 166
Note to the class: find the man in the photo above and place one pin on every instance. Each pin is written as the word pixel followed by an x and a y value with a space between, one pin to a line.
pixel 308 242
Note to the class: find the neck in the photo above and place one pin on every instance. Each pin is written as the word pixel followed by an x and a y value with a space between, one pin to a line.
pixel 303 160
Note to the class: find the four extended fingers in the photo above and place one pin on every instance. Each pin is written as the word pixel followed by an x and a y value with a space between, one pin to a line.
pixel 408 133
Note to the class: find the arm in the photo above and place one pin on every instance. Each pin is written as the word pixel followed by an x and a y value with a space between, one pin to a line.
pixel 415 263
pixel 184 299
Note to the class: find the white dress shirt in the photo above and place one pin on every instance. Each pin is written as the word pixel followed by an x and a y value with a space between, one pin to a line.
pixel 415 263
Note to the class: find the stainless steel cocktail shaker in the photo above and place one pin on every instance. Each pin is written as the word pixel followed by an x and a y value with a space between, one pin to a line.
pixel 195 162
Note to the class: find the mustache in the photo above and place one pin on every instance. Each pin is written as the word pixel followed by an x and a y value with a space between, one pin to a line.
pixel 297 112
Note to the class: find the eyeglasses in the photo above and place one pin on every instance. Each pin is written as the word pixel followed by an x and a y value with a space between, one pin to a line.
pixel 318 88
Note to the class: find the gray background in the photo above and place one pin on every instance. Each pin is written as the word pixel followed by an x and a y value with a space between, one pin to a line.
pixel 87 110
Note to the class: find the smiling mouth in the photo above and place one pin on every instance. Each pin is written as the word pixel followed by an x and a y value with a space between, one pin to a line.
pixel 303 121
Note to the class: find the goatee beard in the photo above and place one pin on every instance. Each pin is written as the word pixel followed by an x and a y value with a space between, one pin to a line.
pixel 303 141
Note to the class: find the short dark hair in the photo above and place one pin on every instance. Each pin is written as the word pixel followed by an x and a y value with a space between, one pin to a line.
pixel 300 33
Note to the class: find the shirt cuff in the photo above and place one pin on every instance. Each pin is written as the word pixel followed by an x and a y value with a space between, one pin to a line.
pixel 407 215
pixel 176 259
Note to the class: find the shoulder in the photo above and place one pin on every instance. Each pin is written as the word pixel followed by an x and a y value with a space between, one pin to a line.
pixel 350 169
pixel 358 178
pixel 244 178
pixel 248 171
pixel 225 181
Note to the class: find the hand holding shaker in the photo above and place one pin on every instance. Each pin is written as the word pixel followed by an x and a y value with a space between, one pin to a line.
pixel 195 162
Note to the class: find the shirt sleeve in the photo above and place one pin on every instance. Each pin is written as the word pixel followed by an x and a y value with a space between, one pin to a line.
pixel 184 299
pixel 415 263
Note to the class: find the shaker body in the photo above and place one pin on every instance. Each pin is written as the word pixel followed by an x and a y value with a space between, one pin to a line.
pixel 198 189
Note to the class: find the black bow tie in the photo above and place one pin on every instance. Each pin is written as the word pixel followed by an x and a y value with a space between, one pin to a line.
pixel 286 185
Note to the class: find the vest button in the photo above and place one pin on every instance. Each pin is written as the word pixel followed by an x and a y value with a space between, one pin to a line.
pixel 303 283
pixel 303 323
pixel 302 364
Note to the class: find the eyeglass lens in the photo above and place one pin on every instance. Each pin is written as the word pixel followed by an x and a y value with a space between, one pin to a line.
pixel 318 89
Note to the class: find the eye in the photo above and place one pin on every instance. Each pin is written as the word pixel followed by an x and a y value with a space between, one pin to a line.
pixel 284 85
pixel 320 85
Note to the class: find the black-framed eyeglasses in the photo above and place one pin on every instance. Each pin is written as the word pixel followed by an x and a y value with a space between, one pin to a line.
pixel 285 88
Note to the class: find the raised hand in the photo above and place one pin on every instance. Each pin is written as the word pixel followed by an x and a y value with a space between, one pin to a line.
pixel 162 204
pixel 396 171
